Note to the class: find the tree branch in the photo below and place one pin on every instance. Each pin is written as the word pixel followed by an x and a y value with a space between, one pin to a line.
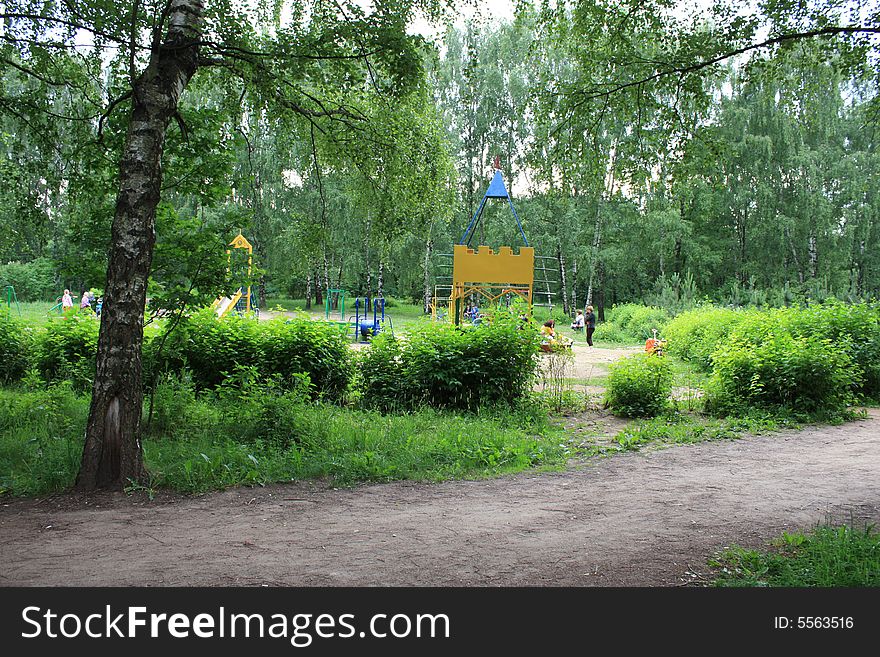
pixel 692 68
pixel 109 111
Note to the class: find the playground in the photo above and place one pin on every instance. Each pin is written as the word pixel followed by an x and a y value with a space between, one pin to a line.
pixel 492 445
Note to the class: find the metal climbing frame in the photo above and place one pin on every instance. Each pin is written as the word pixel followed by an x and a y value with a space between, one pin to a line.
pixel 338 295
pixel 11 298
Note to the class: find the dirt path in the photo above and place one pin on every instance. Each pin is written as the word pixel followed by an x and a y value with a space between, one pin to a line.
pixel 638 519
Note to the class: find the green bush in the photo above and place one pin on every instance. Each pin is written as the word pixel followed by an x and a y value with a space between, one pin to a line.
pixel 445 366
pixel 15 349
pixel 67 349
pixel 853 327
pixel 304 346
pixel 212 349
pixel 246 407
pixel 611 333
pixel 33 281
pixel 639 386
pixel 694 335
pixel 806 376
pixel 631 322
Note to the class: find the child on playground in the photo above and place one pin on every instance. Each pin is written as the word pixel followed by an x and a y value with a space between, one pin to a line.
pixel 66 301
pixel 578 323
pixel 550 338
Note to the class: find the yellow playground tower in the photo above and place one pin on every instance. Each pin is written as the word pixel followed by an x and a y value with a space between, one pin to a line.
pixel 241 300
pixel 483 275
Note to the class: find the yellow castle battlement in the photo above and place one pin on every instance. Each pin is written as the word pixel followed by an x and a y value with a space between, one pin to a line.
pixel 485 266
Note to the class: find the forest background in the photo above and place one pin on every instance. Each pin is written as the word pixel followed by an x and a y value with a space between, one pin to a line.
pixel 651 172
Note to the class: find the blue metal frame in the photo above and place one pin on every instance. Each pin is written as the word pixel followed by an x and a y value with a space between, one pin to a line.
pixel 496 189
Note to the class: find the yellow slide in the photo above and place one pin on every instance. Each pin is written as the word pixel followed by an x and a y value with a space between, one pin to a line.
pixel 224 304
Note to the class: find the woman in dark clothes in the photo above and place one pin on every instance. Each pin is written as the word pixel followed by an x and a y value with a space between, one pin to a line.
pixel 590 321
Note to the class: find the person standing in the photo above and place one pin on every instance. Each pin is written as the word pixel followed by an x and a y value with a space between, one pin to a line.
pixel 66 301
pixel 590 323
pixel 85 302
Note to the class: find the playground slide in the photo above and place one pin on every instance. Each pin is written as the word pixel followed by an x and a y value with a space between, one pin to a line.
pixel 224 304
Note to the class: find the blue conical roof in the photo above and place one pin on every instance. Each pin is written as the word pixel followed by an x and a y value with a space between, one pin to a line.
pixel 496 187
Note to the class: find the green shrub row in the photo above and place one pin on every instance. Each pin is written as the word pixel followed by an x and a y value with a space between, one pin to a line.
pixel 16 342
pixel 33 281
pixel 854 328
pixel 209 349
pixel 811 362
pixel 445 366
pixel 436 364
pixel 806 376
pixel 212 350
pixel 694 335
pixel 630 322
pixel 639 386
pixel 63 350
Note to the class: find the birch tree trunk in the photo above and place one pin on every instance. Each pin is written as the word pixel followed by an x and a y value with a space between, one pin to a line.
pixel 379 280
pixel 319 298
pixel 429 296
pixel 594 254
pixel 326 272
pixel 112 455
pixel 369 291
pixel 813 247
pixel 563 281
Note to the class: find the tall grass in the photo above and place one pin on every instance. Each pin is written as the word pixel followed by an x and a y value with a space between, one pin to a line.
pixel 41 435
pixel 211 441
pixel 827 556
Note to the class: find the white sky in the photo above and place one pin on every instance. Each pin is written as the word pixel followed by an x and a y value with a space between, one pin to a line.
pixel 496 9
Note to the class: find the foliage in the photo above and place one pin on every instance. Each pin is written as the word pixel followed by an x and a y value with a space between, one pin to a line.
pixel 446 366
pixel 694 335
pixel 806 376
pixel 639 386
pixel 304 346
pixel 212 349
pixel 33 281
pixel 631 323
pixel 855 328
pixel 15 349
pixel 852 327
pixel 837 556
pixel 67 348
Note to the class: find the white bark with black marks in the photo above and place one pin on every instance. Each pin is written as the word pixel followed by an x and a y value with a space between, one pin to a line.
pixel 112 455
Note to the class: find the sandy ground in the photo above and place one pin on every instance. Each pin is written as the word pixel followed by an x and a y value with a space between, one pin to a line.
pixel 650 518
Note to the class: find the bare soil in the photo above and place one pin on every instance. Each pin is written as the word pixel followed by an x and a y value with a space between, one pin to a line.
pixel 640 519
